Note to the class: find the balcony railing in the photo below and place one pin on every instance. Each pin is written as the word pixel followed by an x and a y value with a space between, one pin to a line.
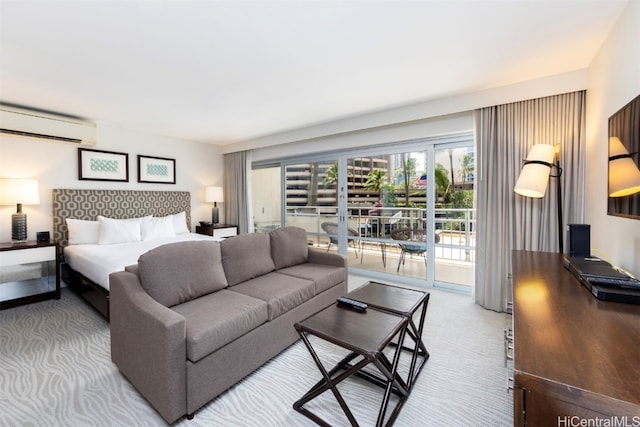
pixel 456 227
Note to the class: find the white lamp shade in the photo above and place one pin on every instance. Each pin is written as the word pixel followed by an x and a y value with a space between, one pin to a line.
pixel 534 177
pixel 624 175
pixel 213 194
pixel 23 191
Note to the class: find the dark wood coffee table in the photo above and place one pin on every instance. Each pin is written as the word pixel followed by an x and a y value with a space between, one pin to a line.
pixel 404 302
pixel 365 335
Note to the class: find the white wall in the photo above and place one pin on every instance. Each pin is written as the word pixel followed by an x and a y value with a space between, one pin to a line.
pixel 405 131
pixel 614 80
pixel 55 165
pixel 425 119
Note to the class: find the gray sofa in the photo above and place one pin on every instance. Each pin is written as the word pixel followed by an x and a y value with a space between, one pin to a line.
pixel 193 318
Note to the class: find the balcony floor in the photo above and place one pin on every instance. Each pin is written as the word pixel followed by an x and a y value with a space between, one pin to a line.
pixel 370 258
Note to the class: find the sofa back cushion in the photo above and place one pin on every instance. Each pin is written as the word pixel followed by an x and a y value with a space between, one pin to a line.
pixel 246 256
pixel 179 272
pixel 288 246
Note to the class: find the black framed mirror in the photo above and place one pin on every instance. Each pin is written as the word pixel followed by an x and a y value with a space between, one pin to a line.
pixel 624 161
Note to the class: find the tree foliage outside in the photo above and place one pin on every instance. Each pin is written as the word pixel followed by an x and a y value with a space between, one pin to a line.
pixel 389 197
pixel 462 199
pixel 467 166
pixel 443 185
pixel 313 189
pixel 409 171
pixel 331 177
pixel 375 181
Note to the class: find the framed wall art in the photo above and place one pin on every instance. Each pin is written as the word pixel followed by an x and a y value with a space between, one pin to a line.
pixel 157 170
pixel 99 165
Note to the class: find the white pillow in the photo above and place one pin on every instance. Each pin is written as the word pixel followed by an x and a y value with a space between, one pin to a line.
pixel 119 230
pixel 180 223
pixel 157 228
pixel 80 231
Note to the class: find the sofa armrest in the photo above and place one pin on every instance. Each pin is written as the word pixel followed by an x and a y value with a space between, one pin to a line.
pixel 148 344
pixel 322 257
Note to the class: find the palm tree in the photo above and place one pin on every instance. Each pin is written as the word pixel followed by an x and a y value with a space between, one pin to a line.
pixel 453 179
pixel 331 176
pixel 408 172
pixel 313 187
pixel 442 182
pixel 467 166
pixel 375 181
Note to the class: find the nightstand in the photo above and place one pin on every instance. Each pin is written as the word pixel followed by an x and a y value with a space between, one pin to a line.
pixel 218 230
pixel 29 272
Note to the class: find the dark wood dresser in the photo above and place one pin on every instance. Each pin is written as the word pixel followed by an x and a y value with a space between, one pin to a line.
pixel 576 358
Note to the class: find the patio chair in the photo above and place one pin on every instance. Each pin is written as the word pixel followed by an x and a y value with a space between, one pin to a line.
pixel 331 228
pixel 369 228
pixel 412 235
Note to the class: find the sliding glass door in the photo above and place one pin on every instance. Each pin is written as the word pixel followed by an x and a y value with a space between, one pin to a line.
pixel 454 214
pixel 311 200
pixel 400 211
pixel 387 203
pixel 302 194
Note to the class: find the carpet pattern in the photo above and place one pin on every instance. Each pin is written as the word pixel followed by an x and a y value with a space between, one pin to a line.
pixel 55 370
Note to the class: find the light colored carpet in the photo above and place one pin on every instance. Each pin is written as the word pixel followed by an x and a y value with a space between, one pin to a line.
pixel 55 370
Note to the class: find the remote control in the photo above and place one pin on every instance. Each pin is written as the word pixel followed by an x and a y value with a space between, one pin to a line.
pixel 350 303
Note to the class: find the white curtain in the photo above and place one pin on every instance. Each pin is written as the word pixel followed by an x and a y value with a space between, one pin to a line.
pixel 237 190
pixel 507 221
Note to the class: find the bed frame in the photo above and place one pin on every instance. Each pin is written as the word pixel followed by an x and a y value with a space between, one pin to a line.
pixel 88 204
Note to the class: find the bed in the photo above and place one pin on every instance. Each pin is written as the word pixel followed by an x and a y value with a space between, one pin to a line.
pixel 89 257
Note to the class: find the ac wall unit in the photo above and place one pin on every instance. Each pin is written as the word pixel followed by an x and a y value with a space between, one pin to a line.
pixel 34 124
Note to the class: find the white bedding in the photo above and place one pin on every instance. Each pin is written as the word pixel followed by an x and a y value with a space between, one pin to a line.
pixel 96 262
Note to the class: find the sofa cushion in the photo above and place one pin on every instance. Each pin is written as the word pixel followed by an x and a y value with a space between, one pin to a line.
pixel 279 291
pixel 246 256
pixel 215 320
pixel 288 246
pixel 178 272
pixel 323 276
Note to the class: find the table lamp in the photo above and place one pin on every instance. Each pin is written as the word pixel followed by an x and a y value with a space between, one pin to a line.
pixel 19 192
pixel 214 195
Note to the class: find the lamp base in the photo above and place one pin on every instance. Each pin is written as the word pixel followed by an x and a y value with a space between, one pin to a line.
pixel 214 215
pixel 19 227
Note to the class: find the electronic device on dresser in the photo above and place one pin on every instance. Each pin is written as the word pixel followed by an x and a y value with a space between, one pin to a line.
pixel 579 240
pixel 603 280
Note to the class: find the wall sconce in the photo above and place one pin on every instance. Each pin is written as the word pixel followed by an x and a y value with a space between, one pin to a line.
pixel 19 192
pixel 624 175
pixel 214 195
pixel 534 177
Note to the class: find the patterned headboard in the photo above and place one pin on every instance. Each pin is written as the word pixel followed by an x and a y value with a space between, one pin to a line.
pixel 88 204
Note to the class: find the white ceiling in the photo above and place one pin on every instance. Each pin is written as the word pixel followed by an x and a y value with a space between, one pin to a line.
pixel 228 71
